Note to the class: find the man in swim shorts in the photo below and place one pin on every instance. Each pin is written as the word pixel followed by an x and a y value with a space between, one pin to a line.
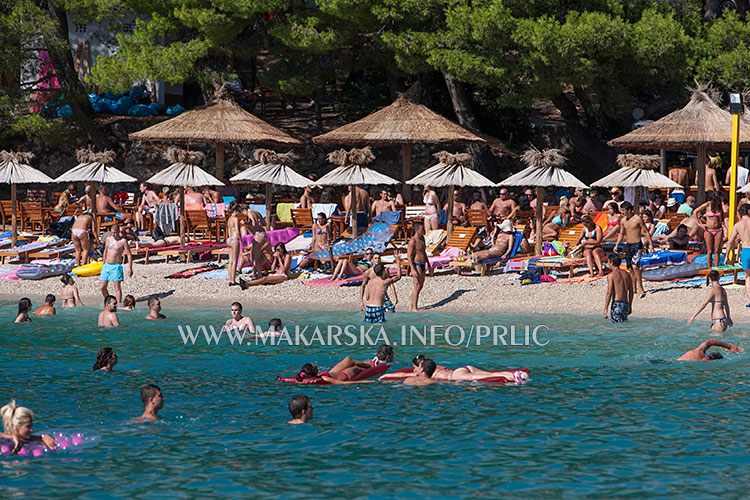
pixel 741 232
pixel 700 353
pixel 418 262
pixel 301 409
pixel 423 373
pixel 114 246
pixel 238 321
pixel 376 289
pixel 153 401
pixel 632 228
pixel 619 292
pixel 108 317
pixel 154 306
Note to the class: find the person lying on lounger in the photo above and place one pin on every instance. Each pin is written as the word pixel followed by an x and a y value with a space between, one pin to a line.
pixel 348 368
pixel 345 269
pixel 502 243
pixel 464 373
pixel 280 269
pixel 310 370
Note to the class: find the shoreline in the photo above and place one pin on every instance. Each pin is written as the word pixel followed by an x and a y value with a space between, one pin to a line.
pixel 442 294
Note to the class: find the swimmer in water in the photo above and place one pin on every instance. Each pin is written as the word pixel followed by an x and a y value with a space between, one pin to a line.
pixel 153 401
pixel 701 353
pixel 238 321
pixel 717 297
pixel 301 410
pixel 48 309
pixel 423 373
pixel 310 370
pixel 106 359
pixel 18 424
pixel 108 317
pixel 69 292
pixel 154 306
pixel 24 306
pixel 128 304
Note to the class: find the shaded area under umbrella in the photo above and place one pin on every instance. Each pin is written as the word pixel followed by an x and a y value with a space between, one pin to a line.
pixel 14 170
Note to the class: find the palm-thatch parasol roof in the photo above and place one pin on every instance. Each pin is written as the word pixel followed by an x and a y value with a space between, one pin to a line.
pixel 221 121
pixel 352 170
pixel 272 168
pixel 637 171
pixel 184 170
pixel 700 122
pixel 545 168
pixel 95 167
pixel 452 170
pixel 402 122
pixel 15 169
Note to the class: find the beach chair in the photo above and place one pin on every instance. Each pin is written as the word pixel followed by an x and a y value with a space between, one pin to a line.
pixel 22 252
pixel 523 217
pixel 477 218
pixel 456 245
pixel 6 212
pixel 188 251
pixel 198 221
pixel 302 218
pixel 32 216
pixel 482 265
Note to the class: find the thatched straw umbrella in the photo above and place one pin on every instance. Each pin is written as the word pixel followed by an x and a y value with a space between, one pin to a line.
pixel 452 170
pixel 220 121
pixel 95 168
pixel 15 169
pixel 272 169
pixel 403 123
pixel 637 171
pixel 183 172
pixel 700 124
pixel 351 171
pixel 545 168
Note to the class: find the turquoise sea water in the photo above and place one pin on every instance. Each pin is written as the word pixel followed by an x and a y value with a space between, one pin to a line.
pixel 598 419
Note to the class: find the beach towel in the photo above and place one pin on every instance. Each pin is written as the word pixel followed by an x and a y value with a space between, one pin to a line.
pixel 284 212
pixel 188 273
pixel 301 242
pixel 661 228
pixel 327 208
pixel 219 274
pixel 390 218
pixel 434 237
pixel 282 235
pixel 214 210
pixel 321 282
pixel 166 217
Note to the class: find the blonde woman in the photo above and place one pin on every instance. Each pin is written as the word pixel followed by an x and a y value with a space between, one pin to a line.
pixel 234 241
pixel 17 426
pixel 431 210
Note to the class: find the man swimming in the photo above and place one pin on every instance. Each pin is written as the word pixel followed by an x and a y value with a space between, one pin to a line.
pixel 238 321
pixel 700 353
pixel 154 306
pixel 108 317
pixel 153 401
pixel 48 309
pixel 619 292
pixel 301 409
pixel 423 373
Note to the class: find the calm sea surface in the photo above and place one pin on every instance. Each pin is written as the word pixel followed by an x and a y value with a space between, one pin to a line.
pixel 598 419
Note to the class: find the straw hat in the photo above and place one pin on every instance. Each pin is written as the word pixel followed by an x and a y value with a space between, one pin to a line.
pixel 615 190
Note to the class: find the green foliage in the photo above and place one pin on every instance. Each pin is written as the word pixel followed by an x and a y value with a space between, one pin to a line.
pixel 362 94
pixel 725 54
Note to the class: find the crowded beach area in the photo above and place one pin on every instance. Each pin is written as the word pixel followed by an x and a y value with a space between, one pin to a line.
pixel 318 251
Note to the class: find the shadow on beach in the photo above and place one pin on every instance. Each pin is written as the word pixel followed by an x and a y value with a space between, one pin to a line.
pixel 454 296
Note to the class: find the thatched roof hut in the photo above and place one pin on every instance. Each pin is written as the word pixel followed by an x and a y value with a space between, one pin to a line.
pixel 700 125
pixel 404 123
pixel 637 171
pixel 220 121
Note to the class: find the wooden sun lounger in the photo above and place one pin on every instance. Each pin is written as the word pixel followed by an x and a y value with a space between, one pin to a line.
pixel 189 251
pixel 722 270
pixel 23 253
pixel 562 264
pixel 147 251
pixel 54 252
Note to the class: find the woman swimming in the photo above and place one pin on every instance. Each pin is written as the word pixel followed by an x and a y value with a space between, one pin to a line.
pixel 17 426
pixel 69 292
pixel 106 359
pixel 128 304
pixel 24 306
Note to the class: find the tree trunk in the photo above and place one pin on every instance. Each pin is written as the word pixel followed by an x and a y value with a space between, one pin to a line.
pixel 586 143
pixel 61 57
pixel 484 162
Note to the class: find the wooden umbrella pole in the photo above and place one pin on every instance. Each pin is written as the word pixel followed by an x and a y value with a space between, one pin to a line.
pixel 539 213
pixel 269 196
pixel 700 176
pixel 182 216
pixel 450 211
pixel 220 161
pixel 14 216
pixel 406 174
pixel 353 208
pixel 95 222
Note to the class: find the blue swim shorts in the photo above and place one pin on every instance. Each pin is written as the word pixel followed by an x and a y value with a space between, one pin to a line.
pixel 745 258
pixel 111 272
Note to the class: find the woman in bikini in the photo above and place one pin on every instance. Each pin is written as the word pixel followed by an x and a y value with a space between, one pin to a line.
pixel 591 241
pixel 69 292
pixel 462 374
pixel 234 240
pixel 648 221
pixel 345 269
pixel 713 232
pixel 431 212
pixel 551 230
pixel 80 237
pixel 281 269
pixel 717 297
pixel 347 368
pixel 321 239
pixel 613 222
